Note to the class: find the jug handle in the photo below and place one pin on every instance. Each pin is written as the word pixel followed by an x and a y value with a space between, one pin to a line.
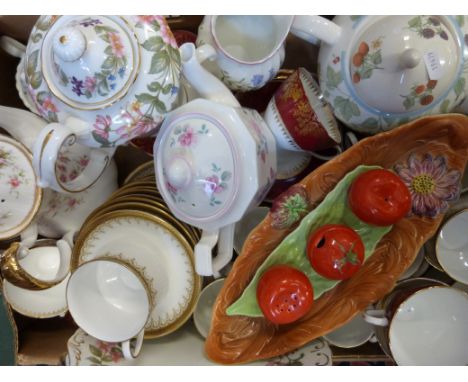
pixel 315 28
pixel 12 47
pixel 203 249
pixel 225 249
pixel 46 150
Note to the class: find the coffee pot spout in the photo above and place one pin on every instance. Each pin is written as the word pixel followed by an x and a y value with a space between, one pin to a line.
pixel 205 83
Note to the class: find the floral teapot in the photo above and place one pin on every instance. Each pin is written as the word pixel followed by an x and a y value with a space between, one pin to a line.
pixel 99 81
pixel 214 160
pixel 378 72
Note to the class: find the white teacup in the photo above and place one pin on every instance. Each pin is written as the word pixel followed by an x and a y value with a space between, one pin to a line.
pixel 110 300
pixel 426 326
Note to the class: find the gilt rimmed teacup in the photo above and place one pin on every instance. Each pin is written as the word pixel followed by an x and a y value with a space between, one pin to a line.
pixel 111 300
pixel 300 118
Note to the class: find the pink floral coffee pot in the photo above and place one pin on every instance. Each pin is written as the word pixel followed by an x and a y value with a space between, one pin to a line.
pixel 214 160
pixel 378 72
pixel 99 81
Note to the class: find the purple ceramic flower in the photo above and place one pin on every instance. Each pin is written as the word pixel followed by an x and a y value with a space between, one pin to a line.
pixel 77 86
pixel 90 84
pixel 432 185
pixel 90 22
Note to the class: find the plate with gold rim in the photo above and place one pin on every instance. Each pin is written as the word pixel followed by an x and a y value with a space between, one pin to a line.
pixel 20 196
pixel 132 206
pixel 154 246
pixel 142 171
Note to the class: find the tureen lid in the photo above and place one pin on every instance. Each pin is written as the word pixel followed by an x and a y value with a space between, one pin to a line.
pixel 404 63
pixel 90 61
pixel 199 163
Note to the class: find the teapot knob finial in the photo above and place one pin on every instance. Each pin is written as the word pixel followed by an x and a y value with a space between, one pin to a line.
pixel 410 58
pixel 69 44
pixel 179 172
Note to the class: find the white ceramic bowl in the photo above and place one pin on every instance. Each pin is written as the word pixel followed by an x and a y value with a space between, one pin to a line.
pixel 452 247
pixel 204 309
pixel 431 328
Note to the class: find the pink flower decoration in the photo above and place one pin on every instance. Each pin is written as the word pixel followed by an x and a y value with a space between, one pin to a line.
pixel 432 185
pixel 14 182
pixel 212 185
pixel 187 138
pixel 116 44
pixel 48 105
pixel 147 19
pixel 84 160
pixel 102 126
pixel 72 202
pixel 105 347
pixel 90 84
pixel 171 188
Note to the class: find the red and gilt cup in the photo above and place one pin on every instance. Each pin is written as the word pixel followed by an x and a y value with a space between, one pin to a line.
pixel 300 118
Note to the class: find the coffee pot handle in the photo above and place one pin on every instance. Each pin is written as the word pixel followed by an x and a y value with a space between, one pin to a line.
pixel 46 153
pixel 12 47
pixel 315 28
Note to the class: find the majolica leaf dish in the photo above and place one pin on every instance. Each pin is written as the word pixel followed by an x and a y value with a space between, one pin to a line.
pixel 428 154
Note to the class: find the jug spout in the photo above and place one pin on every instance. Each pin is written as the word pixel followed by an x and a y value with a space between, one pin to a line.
pixel 205 83
pixel 22 125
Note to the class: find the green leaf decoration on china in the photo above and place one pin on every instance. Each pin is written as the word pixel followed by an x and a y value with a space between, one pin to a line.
pixel 347 108
pixel 334 78
pixel 333 209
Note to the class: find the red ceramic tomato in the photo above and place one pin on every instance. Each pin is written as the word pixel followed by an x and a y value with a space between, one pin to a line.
pixel 379 197
pixel 284 294
pixel 335 251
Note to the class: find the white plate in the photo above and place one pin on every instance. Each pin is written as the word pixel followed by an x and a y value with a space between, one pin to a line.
pixel 158 250
pixel 431 328
pixel 182 348
pixel 452 247
pixel 20 196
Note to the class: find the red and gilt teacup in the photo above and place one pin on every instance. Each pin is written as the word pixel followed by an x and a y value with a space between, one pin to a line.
pixel 300 118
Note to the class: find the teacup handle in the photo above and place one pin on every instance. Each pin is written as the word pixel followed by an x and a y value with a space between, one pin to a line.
pixel 375 317
pixel 203 253
pixel 225 249
pixel 12 47
pixel 327 157
pixel 46 150
pixel 131 352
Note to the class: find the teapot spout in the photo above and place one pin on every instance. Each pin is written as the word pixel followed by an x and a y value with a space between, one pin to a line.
pixel 22 125
pixel 205 83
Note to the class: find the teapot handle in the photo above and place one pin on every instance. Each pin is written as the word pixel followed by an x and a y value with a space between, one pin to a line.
pixel 12 47
pixel 315 28
pixel 46 151
pixel 225 249
pixel 203 259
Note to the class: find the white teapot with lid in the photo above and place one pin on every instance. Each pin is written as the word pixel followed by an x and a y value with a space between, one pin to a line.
pixel 100 81
pixel 213 161
pixel 381 71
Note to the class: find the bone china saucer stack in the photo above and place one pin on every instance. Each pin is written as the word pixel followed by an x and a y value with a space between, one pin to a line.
pixel 136 226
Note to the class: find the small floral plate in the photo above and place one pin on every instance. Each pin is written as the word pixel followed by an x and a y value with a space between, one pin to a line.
pixel 84 350
pixel 20 196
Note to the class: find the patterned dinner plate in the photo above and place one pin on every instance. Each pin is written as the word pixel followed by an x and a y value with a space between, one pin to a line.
pixel 20 197
pixel 158 250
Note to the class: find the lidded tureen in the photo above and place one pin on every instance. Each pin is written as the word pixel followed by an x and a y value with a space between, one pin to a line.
pixel 103 79
pixel 381 71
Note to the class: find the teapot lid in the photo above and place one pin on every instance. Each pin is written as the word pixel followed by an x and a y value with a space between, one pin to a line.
pixel 197 167
pixel 90 61
pixel 400 64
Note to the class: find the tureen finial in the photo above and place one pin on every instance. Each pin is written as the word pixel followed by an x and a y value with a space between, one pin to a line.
pixel 410 58
pixel 179 172
pixel 69 44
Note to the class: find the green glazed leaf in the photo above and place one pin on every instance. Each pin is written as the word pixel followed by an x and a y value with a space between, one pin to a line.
pixel 36 80
pixel 415 22
pixel 159 62
pixel 94 361
pixel 408 103
pixel 377 58
pixel 154 44
pixel 459 87
pixel 32 63
pixel 159 105
pixel 346 107
pixel 101 140
pixel 333 78
pixel 154 87
pixel 292 250
pixel 444 106
pixel 366 73
pixel 371 124
pixel 95 351
pixel 145 98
